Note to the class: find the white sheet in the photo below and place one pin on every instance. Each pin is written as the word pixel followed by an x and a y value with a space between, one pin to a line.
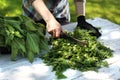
pixel 23 70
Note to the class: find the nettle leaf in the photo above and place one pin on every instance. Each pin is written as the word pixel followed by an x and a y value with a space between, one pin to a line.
pixel 30 56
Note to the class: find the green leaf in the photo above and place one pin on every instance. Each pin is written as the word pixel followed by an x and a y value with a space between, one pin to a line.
pixel 29 26
pixel 30 56
pixel 14 51
pixel 32 43
pixel 60 75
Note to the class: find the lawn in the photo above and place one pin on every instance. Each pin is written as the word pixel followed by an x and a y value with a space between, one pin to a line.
pixel 107 9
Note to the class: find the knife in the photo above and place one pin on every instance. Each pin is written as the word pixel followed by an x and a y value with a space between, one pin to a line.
pixel 66 36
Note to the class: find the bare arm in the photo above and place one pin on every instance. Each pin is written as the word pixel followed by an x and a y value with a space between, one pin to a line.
pixel 52 25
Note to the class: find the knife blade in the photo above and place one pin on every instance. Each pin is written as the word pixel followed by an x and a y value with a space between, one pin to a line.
pixel 66 36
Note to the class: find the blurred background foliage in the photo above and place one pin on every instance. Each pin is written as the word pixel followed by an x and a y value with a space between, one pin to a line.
pixel 107 9
pixel 10 7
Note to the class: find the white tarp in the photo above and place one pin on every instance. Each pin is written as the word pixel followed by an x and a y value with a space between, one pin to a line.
pixel 22 69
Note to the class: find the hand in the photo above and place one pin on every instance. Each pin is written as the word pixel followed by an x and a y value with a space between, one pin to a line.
pixel 54 28
pixel 85 25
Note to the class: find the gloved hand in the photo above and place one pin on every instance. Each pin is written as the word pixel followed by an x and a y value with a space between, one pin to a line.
pixel 81 23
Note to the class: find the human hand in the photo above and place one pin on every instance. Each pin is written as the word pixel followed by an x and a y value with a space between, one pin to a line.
pixel 54 28
pixel 81 23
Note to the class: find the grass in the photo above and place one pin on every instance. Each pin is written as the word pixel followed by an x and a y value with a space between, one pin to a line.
pixel 10 7
pixel 107 9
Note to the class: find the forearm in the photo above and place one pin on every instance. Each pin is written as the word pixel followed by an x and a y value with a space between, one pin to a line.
pixel 52 25
pixel 41 8
pixel 80 7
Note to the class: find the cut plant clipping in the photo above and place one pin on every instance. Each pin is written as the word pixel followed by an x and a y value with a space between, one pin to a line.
pixel 22 36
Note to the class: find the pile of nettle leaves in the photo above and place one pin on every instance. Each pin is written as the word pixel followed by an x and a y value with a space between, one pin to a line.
pixel 65 54
pixel 22 36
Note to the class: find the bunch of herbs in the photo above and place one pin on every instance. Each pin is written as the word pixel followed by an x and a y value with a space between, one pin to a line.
pixel 65 54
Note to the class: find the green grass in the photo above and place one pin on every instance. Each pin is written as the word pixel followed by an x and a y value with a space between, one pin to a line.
pixel 10 7
pixel 107 9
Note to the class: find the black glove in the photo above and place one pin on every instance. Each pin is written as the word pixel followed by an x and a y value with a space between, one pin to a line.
pixel 85 25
